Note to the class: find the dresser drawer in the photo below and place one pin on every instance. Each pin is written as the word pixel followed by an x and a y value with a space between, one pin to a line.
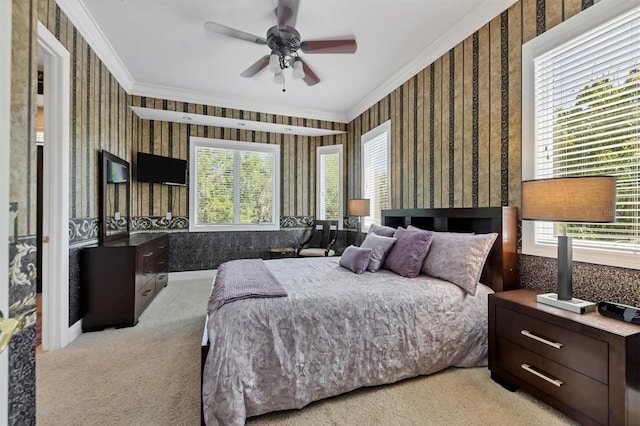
pixel 162 262
pixel 161 281
pixel 576 390
pixel 579 352
pixel 146 265
pixel 161 246
pixel 144 296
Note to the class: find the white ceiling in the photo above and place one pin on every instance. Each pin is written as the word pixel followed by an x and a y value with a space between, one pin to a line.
pixel 159 48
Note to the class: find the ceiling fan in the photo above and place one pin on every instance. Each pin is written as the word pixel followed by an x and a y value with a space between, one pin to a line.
pixel 285 42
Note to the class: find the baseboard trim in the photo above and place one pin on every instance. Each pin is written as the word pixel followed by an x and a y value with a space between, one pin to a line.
pixel 192 275
pixel 75 331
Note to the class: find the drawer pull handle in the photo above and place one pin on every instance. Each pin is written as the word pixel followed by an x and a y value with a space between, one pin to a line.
pixel 146 293
pixel 544 377
pixel 540 339
pixel 149 254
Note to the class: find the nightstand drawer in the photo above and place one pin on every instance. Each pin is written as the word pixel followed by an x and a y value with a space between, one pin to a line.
pixel 576 390
pixel 579 352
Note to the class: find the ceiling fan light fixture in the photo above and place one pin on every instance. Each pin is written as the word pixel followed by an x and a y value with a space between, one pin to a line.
pixel 298 70
pixel 274 63
pixel 284 42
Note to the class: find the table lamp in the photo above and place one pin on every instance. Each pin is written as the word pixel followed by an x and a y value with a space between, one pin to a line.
pixel 590 199
pixel 359 207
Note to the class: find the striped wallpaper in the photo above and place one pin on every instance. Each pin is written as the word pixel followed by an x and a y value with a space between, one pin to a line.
pixel 297 160
pixel 100 117
pixel 456 125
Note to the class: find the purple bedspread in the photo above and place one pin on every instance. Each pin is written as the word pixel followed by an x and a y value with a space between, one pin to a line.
pixel 243 279
pixel 335 331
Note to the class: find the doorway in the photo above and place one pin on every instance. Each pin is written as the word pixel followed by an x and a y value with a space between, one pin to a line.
pixel 55 192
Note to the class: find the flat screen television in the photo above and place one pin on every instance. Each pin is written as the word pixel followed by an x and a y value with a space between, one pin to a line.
pixel 158 169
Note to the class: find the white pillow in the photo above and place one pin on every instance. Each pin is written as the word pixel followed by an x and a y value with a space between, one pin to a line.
pixel 458 258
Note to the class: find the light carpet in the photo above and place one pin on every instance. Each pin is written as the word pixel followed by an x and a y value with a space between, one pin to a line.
pixel 150 375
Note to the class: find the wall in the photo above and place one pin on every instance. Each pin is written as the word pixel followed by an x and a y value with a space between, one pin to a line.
pixel 297 160
pixel 101 119
pixel 22 185
pixel 456 136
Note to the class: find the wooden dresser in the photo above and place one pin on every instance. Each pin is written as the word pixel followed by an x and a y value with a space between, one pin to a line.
pixel 587 366
pixel 120 278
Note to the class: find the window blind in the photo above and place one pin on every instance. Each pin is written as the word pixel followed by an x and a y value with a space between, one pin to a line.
pixel 234 186
pixel 375 175
pixel 587 122
pixel 329 183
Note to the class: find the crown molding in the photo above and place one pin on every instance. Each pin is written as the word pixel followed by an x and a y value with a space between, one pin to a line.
pixel 230 123
pixel 477 18
pixel 198 97
pixel 87 26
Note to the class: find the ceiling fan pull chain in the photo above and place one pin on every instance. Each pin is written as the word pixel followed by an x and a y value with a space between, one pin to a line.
pixel 284 89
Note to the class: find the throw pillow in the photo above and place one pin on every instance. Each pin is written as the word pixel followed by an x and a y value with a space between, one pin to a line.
pixel 379 246
pixel 407 254
pixel 356 259
pixel 385 231
pixel 458 258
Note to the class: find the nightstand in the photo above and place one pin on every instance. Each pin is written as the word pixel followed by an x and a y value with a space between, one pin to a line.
pixel 587 366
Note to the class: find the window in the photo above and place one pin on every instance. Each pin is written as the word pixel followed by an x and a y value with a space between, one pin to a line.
pixel 376 169
pixel 329 183
pixel 234 185
pixel 581 116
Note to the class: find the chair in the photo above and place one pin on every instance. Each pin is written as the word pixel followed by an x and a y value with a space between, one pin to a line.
pixel 328 230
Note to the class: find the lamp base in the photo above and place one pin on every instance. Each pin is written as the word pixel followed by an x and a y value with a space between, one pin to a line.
pixel 574 305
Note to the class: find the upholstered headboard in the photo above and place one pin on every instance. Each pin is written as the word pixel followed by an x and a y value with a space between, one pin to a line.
pixel 501 268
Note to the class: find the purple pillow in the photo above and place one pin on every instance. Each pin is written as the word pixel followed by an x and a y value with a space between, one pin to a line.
pixel 407 254
pixel 385 231
pixel 356 259
pixel 379 246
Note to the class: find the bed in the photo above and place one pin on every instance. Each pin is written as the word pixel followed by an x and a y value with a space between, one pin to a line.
pixel 336 331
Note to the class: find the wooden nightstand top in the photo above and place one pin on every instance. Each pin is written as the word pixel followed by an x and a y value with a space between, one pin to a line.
pixel 527 298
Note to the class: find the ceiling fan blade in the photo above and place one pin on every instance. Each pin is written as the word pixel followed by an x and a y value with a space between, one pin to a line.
pixel 347 45
pixel 287 12
pixel 258 66
pixel 310 77
pixel 232 32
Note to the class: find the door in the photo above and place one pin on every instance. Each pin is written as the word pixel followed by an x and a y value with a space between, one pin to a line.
pixel 5 107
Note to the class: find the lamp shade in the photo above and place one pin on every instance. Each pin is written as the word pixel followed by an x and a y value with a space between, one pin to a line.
pixel 298 70
pixel 274 63
pixel 589 199
pixel 278 78
pixel 359 207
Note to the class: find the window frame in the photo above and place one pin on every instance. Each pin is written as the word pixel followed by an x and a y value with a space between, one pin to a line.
pixel 329 150
pixel 196 142
pixel 590 18
pixel 364 139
